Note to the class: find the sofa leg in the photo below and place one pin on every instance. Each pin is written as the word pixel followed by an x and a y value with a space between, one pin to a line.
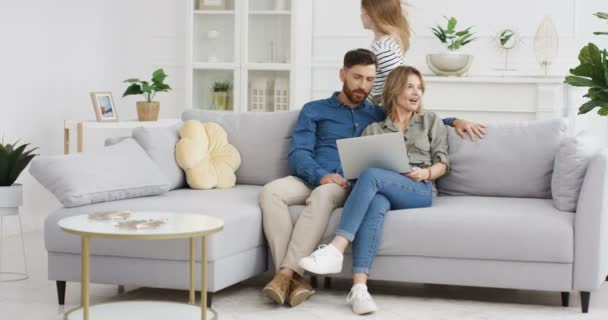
pixel 585 297
pixel 209 299
pixel 565 299
pixel 314 281
pixel 60 292
pixel 327 283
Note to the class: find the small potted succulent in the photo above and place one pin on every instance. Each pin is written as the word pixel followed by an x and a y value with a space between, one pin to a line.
pixel 13 160
pixel 451 62
pixel 148 110
pixel 221 95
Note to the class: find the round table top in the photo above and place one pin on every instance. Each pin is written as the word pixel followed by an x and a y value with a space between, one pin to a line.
pixel 177 226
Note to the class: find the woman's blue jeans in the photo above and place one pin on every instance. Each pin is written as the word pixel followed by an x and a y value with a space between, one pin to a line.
pixel 376 192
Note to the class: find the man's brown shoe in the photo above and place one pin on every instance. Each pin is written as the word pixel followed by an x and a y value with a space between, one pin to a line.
pixel 300 290
pixel 278 288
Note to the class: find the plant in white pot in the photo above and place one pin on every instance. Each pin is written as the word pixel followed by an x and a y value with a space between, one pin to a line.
pixel 13 160
pixel 451 62
pixel 148 110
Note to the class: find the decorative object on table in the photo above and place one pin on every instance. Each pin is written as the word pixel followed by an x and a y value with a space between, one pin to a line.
pixel 213 35
pixel 260 92
pixel 221 95
pixel 148 110
pixel 451 62
pixel 110 215
pixel 546 44
pixel 506 40
pixel 205 154
pixel 281 94
pixel 592 73
pixel 13 160
pixel 141 224
pixel 103 104
pixel 211 4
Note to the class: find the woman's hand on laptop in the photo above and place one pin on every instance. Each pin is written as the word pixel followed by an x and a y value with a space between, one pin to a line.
pixel 417 174
pixel 335 178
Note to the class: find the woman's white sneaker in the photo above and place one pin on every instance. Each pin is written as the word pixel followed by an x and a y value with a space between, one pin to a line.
pixel 361 302
pixel 327 259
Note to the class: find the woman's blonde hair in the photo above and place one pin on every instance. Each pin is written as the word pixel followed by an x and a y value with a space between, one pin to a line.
pixel 395 83
pixel 389 18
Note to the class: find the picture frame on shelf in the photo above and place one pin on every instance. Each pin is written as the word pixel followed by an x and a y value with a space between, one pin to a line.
pixel 103 104
pixel 211 4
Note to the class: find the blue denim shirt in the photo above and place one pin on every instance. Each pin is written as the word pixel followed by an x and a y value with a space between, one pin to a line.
pixel 313 152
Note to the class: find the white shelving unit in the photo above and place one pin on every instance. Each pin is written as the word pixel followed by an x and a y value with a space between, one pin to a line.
pixel 247 43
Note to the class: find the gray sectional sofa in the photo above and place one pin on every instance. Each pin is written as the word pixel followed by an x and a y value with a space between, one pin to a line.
pixel 495 223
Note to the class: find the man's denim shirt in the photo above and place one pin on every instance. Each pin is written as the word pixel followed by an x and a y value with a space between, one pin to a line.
pixel 313 152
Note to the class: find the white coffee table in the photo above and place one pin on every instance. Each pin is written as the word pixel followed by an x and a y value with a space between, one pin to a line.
pixel 178 226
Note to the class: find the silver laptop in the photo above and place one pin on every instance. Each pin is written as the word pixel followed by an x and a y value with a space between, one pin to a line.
pixel 385 151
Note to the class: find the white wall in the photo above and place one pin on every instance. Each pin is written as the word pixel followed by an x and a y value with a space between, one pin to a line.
pixel 337 28
pixel 55 52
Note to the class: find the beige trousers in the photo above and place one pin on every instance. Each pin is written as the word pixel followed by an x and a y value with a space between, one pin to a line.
pixel 288 242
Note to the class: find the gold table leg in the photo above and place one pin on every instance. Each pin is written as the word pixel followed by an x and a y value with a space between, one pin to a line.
pixel 85 277
pixel 192 292
pixel 204 278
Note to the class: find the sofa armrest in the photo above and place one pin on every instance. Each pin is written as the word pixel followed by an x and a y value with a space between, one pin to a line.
pixel 591 227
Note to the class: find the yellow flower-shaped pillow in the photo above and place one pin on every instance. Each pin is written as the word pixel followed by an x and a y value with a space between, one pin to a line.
pixel 205 155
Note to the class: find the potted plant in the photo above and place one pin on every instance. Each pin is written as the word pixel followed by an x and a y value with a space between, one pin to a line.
pixel 451 62
pixel 592 73
pixel 221 96
pixel 148 110
pixel 13 160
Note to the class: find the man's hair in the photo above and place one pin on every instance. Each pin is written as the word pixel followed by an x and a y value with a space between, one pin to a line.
pixel 362 57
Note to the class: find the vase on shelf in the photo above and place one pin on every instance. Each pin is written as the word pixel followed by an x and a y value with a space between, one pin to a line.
pixel 148 111
pixel 221 100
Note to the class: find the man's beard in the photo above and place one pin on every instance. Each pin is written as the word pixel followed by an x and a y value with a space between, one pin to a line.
pixel 350 94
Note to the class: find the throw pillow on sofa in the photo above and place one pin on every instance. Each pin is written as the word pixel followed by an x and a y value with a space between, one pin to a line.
pixel 571 164
pixel 121 171
pixel 512 160
pixel 262 138
pixel 159 143
pixel 205 154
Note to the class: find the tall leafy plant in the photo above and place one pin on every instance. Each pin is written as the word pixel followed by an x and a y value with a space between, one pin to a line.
pixel 13 160
pixel 592 73
pixel 148 88
pixel 453 39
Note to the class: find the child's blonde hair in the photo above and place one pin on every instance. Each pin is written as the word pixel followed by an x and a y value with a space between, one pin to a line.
pixel 390 18
pixel 396 82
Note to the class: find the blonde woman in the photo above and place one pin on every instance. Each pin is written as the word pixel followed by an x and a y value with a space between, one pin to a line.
pixel 377 191
pixel 387 19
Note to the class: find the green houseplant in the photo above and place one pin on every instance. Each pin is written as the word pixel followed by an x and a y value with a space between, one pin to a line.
pixel 221 95
pixel 13 160
pixel 452 62
pixel 148 110
pixel 592 73
pixel 454 40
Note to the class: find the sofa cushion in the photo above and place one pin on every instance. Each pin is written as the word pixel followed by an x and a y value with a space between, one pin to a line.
pixel 159 144
pixel 205 154
pixel 242 224
pixel 513 160
pixel 262 138
pixel 571 164
pixel 120 171
pixel 510 229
